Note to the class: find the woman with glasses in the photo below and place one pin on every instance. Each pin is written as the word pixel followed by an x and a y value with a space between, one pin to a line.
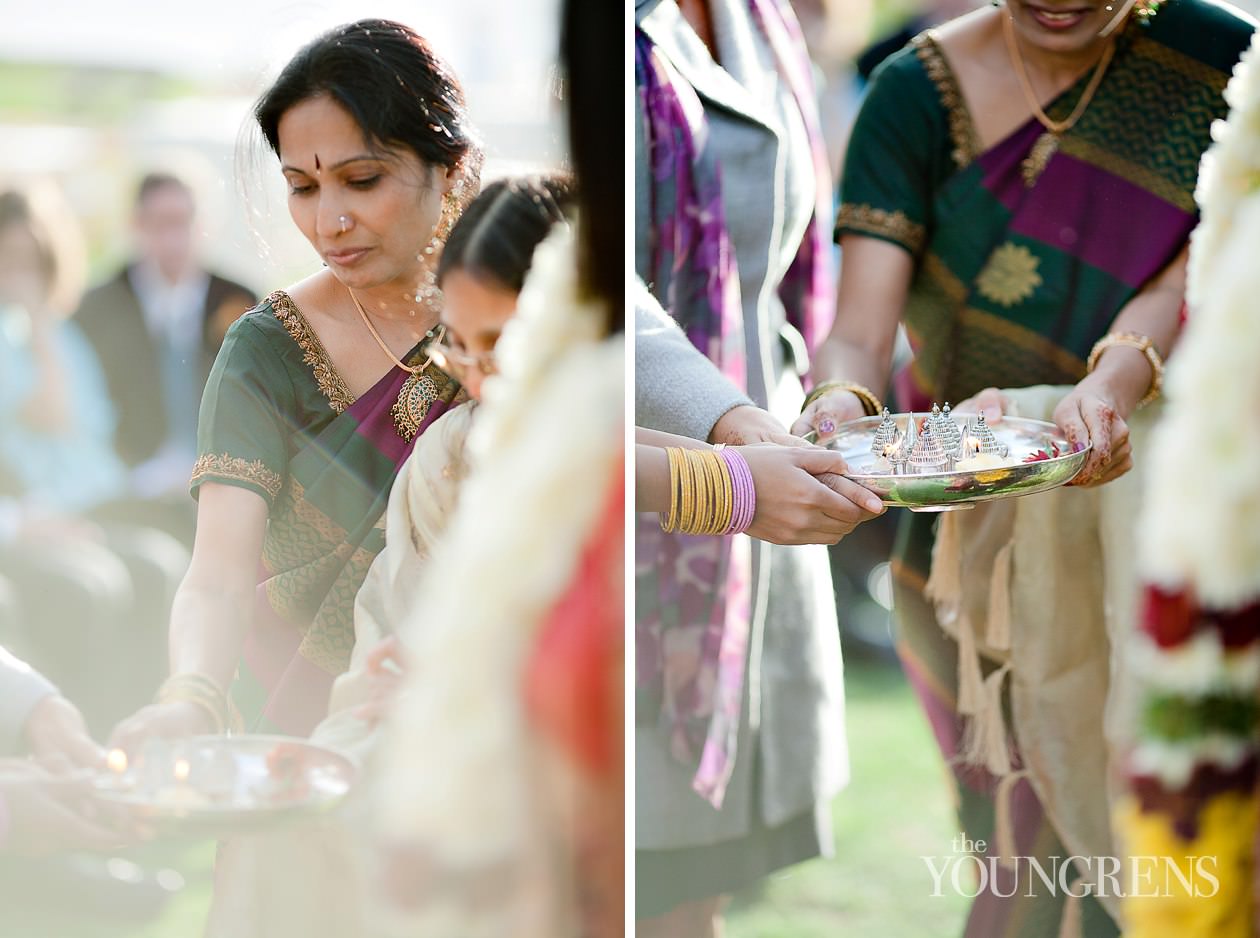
pixel 319 394
pixel 483 268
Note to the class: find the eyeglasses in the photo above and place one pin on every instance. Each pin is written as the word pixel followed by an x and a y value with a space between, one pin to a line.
pixel 457 362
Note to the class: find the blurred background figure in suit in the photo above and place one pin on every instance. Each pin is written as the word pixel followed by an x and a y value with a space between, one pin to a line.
pixel 156 326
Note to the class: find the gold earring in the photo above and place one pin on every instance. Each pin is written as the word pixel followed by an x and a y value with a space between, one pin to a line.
pixel 449 215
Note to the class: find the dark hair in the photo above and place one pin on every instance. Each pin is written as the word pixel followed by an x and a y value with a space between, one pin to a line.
pixel 496 235
pixel 591 38
pixel 389 80
pixel 160 180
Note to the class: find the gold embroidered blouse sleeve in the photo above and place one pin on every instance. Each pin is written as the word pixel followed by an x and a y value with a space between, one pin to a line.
pixel 222 467
pixel 891 225
pixel 248 412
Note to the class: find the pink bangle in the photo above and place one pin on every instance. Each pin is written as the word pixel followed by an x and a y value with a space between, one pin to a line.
pixel 5 821
pixel 743 490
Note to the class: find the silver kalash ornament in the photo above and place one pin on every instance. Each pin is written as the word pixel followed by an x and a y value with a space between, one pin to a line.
pixel 885 439
pixel 935 421
pixel 984 436
pixel 949 432
pixel 928 455
pixel 903 446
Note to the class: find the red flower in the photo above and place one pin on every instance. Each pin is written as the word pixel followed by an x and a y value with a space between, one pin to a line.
pixel 1168 617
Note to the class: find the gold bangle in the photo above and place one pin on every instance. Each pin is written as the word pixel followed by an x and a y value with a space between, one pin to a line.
pixel 722 507
pixel 1143 344
pixel 690 495
pixel 207 706
pixel 871 405
pixel 728 494
pixel 669 522
pixel 201 691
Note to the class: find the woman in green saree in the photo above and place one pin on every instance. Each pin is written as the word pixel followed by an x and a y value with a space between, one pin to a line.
pixel 318 394
pixel 1019 185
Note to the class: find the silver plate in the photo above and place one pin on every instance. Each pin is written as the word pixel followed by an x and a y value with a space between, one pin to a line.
pixel 948 491
pixel 217 785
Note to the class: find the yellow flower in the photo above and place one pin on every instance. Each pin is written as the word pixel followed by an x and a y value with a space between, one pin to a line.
pixel 1217 865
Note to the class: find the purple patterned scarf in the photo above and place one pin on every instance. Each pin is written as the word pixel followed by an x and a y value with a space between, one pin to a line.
pixel 694 592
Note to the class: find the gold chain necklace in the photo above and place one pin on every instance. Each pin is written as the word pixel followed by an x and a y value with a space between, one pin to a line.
pixel 1048 143
pixel 410 369
pixel 419 392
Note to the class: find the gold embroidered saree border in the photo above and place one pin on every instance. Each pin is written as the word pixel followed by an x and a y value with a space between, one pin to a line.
pixel 1005 330
pixel 1134 173
pixel 962 130
pixel 314 354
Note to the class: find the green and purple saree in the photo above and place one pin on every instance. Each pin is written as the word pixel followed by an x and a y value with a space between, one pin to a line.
pixel 278 419
pixel 1024 255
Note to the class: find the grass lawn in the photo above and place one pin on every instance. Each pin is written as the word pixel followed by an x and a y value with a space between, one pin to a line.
pixel 895 810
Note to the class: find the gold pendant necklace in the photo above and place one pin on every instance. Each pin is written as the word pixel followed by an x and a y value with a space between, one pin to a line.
pixel 419 392
pixel 1048 143
pixel 1034 164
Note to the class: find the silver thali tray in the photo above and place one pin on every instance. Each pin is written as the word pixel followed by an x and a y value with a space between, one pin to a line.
pixel 218 785
pixel 1038 459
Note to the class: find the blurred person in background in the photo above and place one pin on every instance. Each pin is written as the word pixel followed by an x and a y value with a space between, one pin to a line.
pixel 91 595
pixel 924 15
pixel 835 31
pixel 55 441
pixel 319 394
pixel 156 326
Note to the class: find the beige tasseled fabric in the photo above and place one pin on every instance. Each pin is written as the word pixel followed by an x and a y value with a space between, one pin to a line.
pixel 1040 590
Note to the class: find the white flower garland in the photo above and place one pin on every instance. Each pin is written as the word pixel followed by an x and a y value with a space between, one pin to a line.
pixel 1201 525
pixel 1198 667
pixel 545 446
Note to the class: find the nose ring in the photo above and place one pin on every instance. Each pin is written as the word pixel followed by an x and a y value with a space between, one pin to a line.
pixel 345 222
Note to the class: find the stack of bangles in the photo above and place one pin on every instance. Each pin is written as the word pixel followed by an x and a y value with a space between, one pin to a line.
pixel 204 693
pixel 710 492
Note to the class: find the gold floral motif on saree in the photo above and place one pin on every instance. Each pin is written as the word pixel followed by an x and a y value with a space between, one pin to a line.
pixel 1010 276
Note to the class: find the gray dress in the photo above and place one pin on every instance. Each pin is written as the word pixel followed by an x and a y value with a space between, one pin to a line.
pixel 791 756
